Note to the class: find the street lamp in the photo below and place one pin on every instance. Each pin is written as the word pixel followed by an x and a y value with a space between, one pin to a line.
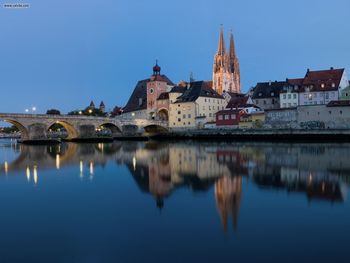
pixel 33 109
pixel 90 111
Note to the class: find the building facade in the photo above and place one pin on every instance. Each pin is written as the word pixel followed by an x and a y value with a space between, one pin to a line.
pixel 143 102
pixel 197 106
pixel 266 95
pixel 322 86
pixel 289 95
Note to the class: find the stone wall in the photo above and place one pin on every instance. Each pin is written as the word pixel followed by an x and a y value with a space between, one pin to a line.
pixel 281 118
pixel 309 117
pixel 321 116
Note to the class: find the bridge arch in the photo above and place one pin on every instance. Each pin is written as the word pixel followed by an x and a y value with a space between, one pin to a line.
pixel 113 128
pixel 71 130
pixel 154 128
pixel 163 114
pixel 20 127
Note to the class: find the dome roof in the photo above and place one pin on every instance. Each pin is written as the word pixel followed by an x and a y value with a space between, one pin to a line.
pixel 156 69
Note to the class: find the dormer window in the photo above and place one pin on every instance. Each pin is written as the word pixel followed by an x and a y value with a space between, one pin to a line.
pixel 322 85
pixel 140 101
pixel 272 94
pixel 260 94
pixel 333 85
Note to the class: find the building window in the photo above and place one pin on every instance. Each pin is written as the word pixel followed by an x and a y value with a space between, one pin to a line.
pixel 322 85
pixel 184 116
pixel 189 123
pixel 341 112
pixel 227 117
pixel 220 117
pixel 330 112
pixel 209 114
pixel 333 85
pixel 327 96
pixel 264 102
pixel 205 100
pixel 209 108
pixel 233 116
pixel 272 94
pixel 189 115
pixel 310 96
pixel 284 105
pixel 178 119
pixel 289 96
pixel 284 96
pixel 179 112
pixel 294 96
pixel 260 94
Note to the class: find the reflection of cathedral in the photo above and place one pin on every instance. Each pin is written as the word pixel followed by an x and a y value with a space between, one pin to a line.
pixel 228 198
pixel 319 172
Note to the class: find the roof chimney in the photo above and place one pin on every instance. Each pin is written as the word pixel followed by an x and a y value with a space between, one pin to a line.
pixel 332 68
pixel 269 82
pixel 308 70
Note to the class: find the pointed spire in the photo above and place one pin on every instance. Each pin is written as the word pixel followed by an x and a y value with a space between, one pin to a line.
pixel 232 46
pixel 221 47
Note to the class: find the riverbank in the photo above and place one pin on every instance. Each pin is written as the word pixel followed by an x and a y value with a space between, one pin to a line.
pixel 288 135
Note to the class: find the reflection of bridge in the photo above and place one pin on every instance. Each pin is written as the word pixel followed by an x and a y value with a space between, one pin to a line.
pixel 319 171
pixel 35 126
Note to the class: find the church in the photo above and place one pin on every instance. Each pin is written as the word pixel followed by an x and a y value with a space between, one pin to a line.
pixel 226 73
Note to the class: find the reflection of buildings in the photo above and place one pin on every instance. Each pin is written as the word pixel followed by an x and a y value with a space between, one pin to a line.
pixel 319 171
pixel 228 197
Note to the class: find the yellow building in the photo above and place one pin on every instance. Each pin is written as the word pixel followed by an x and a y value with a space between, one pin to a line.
pixel 252 121
pixel 196 106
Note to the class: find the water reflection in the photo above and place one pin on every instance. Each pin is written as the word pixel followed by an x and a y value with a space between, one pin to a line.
pixel 320 172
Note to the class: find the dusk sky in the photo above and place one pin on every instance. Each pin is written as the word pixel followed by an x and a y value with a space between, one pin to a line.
pixel 63 54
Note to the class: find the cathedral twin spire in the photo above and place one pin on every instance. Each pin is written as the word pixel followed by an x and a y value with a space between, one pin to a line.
pixel 226 73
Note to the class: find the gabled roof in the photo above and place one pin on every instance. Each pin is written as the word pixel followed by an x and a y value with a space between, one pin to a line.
pixel 162 78
pixel 178 89
pixel 199 89
pixel 140 92
pixel 265 90
pixel 237 102
pixel 295 84
pixel 228 111
pixel 235 94
pixel 323 80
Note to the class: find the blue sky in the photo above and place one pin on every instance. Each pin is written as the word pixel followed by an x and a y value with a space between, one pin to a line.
pixel 62 54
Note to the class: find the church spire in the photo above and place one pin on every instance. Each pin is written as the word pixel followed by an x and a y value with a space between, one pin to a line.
pixel 232 46
pixel 221 47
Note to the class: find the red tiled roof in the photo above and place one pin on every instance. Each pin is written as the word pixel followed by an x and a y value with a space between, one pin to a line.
pixel 338 103
pixel 297 82
pixel 323 80
pixel 227 111
pixel 237 102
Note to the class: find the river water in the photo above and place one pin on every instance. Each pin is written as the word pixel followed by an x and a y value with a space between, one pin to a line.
pixel 174 202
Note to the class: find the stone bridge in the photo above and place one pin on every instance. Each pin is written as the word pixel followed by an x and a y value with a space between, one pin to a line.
pixel 36 126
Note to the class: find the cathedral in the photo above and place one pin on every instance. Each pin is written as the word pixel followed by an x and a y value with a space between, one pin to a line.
pixel 226 74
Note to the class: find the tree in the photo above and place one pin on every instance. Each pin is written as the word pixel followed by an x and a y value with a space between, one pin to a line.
pixel 53 112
